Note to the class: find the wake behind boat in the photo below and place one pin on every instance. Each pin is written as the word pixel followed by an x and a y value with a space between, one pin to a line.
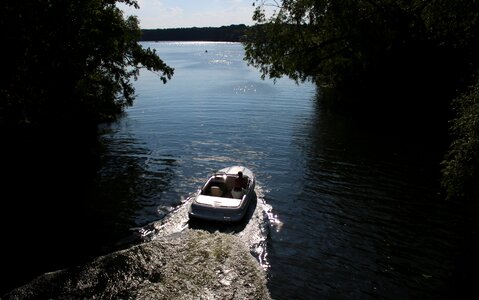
pixel 225 196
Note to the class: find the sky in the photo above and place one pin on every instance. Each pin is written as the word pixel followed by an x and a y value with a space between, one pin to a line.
pixel 154 14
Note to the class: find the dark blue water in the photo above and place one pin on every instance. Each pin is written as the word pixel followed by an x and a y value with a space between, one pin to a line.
pixel 356 212
pixel 353 212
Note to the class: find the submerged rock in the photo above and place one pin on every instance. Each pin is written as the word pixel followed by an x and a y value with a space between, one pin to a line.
pixel 194 264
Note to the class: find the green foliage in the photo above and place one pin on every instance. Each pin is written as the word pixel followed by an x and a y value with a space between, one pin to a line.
pixel 70 62
pixel 297 41
pixel 461 165
pixel 340 43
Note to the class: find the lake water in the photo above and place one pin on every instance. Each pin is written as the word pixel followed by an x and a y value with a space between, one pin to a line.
pixel 351 213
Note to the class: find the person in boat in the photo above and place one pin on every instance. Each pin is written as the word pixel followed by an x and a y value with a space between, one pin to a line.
pixel 240 182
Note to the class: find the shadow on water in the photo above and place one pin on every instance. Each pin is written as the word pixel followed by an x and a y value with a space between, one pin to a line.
pixel 64 203
pixel 225 227
pixel 373 223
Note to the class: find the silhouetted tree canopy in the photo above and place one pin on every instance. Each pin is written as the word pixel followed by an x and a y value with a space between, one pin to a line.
pixel 461 164
pixel 397 61
pixel 338 43
pixel 69 62
pixel 384 55
pixel 67 66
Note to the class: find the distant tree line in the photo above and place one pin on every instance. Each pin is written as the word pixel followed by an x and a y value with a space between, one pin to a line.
pixel 232 33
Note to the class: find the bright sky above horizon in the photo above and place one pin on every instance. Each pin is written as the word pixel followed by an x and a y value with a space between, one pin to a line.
pixel 155 14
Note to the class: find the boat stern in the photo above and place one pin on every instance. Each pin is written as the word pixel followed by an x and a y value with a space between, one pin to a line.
pixel 216 209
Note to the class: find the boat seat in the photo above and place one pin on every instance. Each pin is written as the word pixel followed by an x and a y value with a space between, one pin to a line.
pixel 216 191
pixel 230 182
pixel 237 194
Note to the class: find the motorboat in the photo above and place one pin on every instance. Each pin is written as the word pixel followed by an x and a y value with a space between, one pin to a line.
pixel 221 199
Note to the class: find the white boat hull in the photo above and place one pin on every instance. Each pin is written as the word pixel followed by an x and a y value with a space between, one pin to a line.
pixel 218 201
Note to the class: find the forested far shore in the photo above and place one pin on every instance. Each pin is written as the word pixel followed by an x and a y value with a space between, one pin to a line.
pixel 232 33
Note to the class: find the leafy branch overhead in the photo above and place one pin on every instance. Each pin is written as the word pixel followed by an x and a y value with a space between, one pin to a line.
pixel 336 42
pixel 400 62
pixel 71 61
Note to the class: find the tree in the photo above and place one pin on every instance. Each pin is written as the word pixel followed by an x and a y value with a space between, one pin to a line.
pixel 421 50
pixel 396 62
pixel 461 164
pixel 70 62
pixel 67 66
